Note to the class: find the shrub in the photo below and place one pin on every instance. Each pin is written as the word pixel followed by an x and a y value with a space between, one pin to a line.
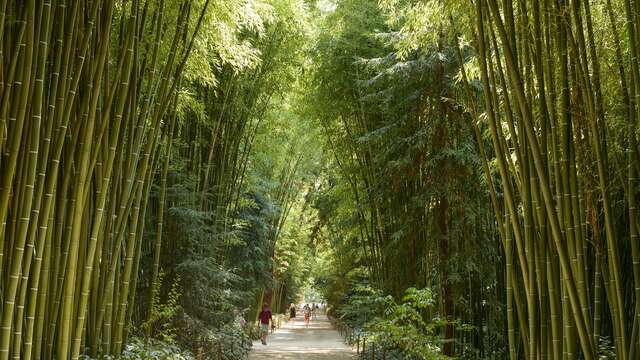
pixel 149 349
pixel 229 342
pixel 405 329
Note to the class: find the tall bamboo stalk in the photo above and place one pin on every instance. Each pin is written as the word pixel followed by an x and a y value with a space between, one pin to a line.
pixel 562 143
pixel 70 97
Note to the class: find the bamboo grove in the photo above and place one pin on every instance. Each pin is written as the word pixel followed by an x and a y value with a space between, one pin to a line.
pixel 562 114
pixel 167 166
pixel 404 152
pixel 496 129
pixel 128 192
pixel 87 89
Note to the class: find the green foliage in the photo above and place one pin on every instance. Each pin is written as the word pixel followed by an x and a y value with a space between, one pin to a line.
pixel 404 330
pixel 149 349
pixel 223 212
pixel 329 145
pixel 228 342
pixel 421 24
pixel 160 321
pixel 387 92
pixel 138 349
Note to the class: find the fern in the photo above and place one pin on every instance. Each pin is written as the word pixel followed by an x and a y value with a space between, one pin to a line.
pixel 160 322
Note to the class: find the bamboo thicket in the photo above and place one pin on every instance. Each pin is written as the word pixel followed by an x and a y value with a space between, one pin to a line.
pixel 85 89
pixel 550 125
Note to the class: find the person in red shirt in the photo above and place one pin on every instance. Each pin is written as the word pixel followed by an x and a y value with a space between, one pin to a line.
pixel 265 317
pixel 307 314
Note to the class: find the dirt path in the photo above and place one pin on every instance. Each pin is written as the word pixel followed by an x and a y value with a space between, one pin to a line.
pixel 295 342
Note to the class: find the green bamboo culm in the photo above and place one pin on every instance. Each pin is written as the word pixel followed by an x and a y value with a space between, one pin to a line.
pixel 540 60
pixel 72 93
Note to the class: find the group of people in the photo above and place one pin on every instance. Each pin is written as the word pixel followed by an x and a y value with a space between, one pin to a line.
pixel 266 317
pixel 308 311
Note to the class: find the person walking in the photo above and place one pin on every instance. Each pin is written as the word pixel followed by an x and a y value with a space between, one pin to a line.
pixel 265 317
pixel 292 311
pixel 313 311
pixel 307 314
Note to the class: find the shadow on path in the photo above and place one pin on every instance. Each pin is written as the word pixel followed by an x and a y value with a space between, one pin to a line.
pixel 296 342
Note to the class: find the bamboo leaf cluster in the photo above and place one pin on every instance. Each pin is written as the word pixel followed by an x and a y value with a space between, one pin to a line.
pixel 415 214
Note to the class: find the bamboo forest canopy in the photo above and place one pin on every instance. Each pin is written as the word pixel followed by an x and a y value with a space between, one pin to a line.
pixel 456 179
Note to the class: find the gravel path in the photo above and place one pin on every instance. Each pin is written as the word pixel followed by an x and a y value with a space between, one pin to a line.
pixel 296 342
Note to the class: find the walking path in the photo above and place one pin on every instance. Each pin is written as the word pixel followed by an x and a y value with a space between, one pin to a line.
pixel 296 342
